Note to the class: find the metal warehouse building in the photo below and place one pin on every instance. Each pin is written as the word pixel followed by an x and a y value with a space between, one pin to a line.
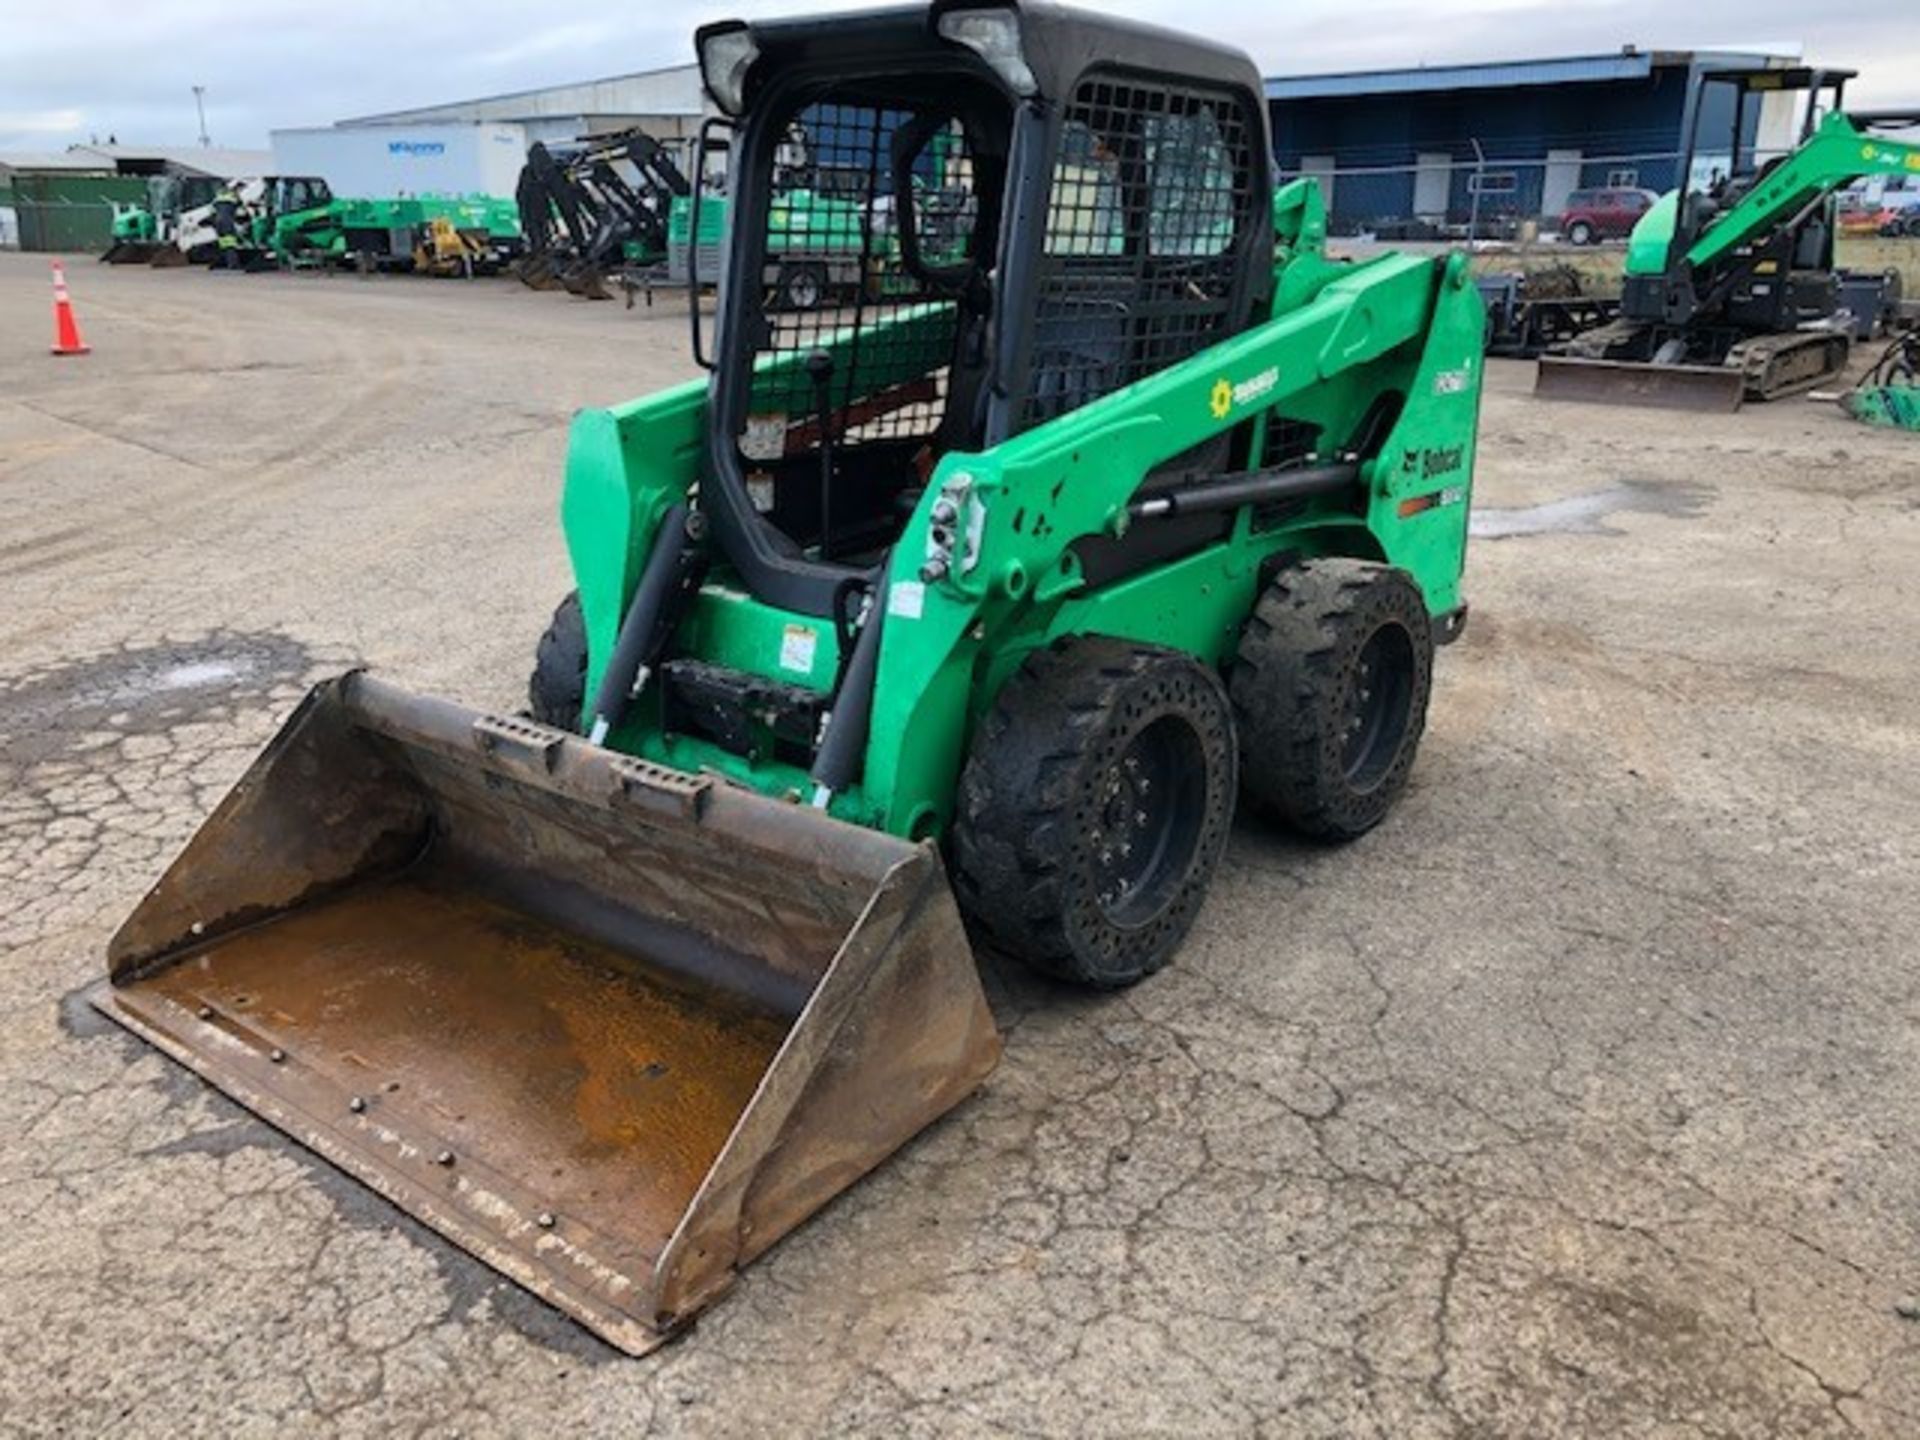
pixel 1501 142
pixel 667 102
pixel 478 146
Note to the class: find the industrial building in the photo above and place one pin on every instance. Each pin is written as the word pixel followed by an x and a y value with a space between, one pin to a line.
pixel 1503 141
pixel 469 146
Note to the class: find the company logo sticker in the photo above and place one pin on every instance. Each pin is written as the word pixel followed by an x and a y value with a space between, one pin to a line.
pixel 416 147
pixel 1226 394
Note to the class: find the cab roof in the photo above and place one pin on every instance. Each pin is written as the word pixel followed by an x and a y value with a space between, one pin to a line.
pixel 1059 44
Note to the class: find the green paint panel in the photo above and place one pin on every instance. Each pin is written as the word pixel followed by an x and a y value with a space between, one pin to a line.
pixel 1397 338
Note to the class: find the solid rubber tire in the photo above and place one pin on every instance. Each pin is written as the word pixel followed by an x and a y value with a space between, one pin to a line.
pixel 557 690
pixel 1028 806
pixel 1291 683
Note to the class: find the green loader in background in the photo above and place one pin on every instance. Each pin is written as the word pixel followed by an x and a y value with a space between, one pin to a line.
pixel 963 607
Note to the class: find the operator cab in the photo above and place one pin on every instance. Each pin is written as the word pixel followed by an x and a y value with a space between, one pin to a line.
pixel 948 225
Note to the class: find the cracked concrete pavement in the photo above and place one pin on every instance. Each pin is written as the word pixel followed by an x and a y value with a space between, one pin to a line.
pixel 1581 1098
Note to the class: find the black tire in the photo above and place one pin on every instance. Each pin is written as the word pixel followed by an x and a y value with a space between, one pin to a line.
pixel 1580 233
pixel 1330 690
pixel 1094 806
pixel 802 287
pixel 558 689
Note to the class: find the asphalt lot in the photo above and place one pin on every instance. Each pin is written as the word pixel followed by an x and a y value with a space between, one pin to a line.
pixel 1581 1098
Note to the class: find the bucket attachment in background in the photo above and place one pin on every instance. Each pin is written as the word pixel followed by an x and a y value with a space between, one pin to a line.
pixel 1698 388
pixel 537 272
pixel 613 1028
pixel 586 279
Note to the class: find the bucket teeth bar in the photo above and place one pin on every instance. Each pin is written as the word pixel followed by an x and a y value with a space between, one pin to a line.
pixel 720 1010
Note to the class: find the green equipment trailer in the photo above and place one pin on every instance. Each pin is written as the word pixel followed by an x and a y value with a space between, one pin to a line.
pixel 385 233
pixel 1118 501
pixel 1731 292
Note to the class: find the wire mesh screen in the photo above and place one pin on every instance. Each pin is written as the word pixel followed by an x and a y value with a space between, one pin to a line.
pixel 832 279
pixel 1151 195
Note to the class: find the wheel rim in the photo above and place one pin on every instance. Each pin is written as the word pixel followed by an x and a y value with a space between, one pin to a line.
pixel 1148 818
pixel 1378 702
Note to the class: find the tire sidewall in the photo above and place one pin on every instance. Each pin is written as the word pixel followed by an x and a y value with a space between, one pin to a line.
pixel 1118 954
pixel 1358 808
pixel 1297 663
pixel 556 691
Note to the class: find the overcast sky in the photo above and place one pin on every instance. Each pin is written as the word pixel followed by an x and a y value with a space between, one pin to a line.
pixel 127 68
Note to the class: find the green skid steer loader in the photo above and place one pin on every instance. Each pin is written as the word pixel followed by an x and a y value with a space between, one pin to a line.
pixel 1110 499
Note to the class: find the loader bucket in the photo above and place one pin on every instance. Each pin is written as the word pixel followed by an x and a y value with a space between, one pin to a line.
pixel 612 1028
pixel 1699 388
pixel 537 272
pixel 587 280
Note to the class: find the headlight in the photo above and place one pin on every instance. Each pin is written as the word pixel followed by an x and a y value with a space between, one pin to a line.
pixel 725 57
pixel 993 35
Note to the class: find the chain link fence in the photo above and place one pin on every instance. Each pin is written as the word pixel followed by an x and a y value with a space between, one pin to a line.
pixel 1478 196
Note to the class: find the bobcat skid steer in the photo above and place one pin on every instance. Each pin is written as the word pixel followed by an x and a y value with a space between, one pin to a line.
pixel 957 609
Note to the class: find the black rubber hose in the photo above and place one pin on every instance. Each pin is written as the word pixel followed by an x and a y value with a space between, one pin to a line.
pixel 630 652
pixel 844 747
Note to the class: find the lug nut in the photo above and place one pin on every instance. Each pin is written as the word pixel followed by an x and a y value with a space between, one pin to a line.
pixel 357 1105
pixel 445 1157
pixel 545 1220
pixel 205 1012
pixel 277 1056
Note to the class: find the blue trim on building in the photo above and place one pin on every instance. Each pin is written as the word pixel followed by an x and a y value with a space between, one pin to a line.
pixel 1572 70
pixel 1615 118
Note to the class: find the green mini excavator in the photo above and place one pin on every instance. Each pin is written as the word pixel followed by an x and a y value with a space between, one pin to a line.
pixel 1731 292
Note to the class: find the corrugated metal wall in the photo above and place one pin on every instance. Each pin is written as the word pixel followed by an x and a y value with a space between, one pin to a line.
pixel 71 213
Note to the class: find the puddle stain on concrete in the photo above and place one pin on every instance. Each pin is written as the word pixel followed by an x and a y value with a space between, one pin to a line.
pixel 49 714
pixel 1587 514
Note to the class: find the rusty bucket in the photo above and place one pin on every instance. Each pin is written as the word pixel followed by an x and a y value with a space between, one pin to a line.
pixel 612 1028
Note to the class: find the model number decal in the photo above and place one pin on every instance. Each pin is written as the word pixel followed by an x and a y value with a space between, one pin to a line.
pixel 1453 382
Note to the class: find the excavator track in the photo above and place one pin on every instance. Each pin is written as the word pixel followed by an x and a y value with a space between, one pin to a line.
pixel 1775 366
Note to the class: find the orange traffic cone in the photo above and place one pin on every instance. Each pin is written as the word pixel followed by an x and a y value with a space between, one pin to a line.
pixel 66 329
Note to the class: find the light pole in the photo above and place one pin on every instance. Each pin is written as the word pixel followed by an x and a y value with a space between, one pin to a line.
pixel 200 104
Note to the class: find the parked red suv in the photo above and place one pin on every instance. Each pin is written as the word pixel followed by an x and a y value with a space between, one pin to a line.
pixel 1603 214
